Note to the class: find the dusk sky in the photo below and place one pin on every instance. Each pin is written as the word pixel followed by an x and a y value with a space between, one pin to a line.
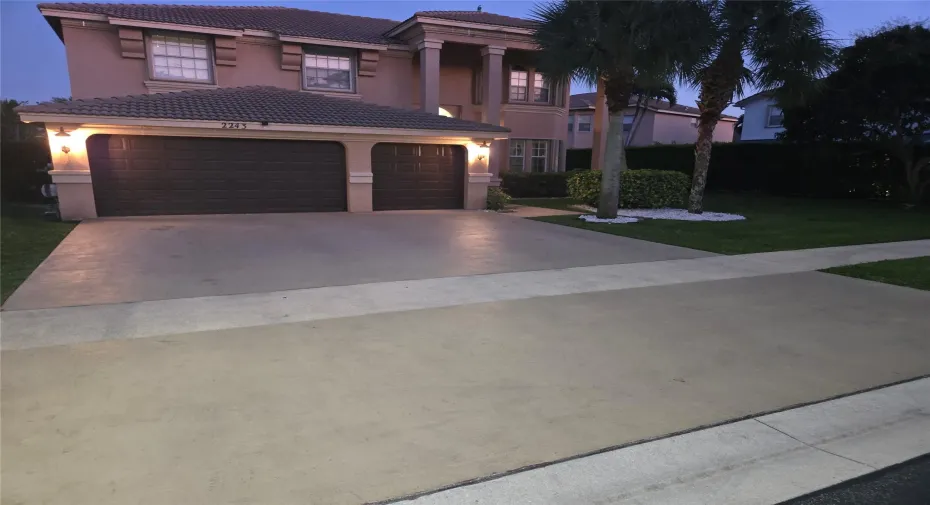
pixel 33 67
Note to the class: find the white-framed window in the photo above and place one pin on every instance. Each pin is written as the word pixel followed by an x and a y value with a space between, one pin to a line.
pixel 180 57
pixel 571 122
pixel 540 88
pixel 519 81
pixel 584 122
pixel 329 71
pixel 774 117
pixel 539 155
pixel 517 154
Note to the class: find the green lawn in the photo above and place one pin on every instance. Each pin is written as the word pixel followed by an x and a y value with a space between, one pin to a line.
pixel 913 273
pixel 24 243
pixel 776 224
pixel 549 203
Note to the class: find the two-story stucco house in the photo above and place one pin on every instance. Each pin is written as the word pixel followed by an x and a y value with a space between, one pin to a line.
pixel 208 109
pixel 762 117
pixel 661 123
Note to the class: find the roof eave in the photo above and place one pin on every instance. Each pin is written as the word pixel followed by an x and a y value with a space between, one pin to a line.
pixel 93 120
pixel 417 19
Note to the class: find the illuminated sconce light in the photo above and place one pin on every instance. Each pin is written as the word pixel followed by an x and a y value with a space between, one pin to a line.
pixel 63 134
pixel 483 150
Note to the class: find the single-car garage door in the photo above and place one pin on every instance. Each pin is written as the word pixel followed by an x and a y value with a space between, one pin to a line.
pixel 418 176
pixel 141 175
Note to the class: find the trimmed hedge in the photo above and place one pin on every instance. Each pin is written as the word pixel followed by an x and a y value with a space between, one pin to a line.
pixel 653 189
pixel 585 186
pixel 813 170
pixel 497 199
pixel 639 189
pixel 535 184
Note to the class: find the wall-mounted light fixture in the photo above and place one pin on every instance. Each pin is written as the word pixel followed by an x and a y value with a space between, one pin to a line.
pixel 483 150
pixel 63 134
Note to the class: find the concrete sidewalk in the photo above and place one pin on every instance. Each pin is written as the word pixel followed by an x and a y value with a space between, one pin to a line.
pixel 35 328
pixel 762 461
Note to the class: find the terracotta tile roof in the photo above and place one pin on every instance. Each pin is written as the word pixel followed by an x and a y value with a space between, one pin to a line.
pixel 587 101
pixel 280 20
pixel 486 18
pixel 286 21
pixel 257 104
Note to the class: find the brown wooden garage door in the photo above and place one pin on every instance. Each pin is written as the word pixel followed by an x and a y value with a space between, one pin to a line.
pixel 418 176
pixel 136 175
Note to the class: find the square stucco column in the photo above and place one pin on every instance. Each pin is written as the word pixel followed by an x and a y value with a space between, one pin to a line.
pixel 492 58
pixel 429 75
pixel 477 177
pixel 358 175
pixel 71 171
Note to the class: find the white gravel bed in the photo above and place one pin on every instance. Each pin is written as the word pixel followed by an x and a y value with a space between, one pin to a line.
pixel 679 215
pixel 673 214
pixel 591 218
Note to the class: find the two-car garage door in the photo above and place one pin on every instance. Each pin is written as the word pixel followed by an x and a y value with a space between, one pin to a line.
pixel 142 175
pixel 138 175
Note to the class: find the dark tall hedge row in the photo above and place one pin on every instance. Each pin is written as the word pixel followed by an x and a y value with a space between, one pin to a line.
pixel 835 171
pixel 534 185
pixel 22 170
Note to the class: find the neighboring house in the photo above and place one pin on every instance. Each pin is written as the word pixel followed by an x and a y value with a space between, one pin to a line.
pixel 662 123
pixel 762 117
pixel 209 109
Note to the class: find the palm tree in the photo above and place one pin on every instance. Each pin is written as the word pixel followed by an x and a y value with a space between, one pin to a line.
pixel 620 44
pixel 787 50
pixel 646 93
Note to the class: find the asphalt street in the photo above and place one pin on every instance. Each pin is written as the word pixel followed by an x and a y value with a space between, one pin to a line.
pixel 904 484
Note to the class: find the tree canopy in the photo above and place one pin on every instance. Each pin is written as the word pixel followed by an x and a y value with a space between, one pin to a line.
pixel 879 95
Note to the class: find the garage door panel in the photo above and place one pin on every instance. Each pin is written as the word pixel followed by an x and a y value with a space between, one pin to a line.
pixel 177 175
pixel 418 176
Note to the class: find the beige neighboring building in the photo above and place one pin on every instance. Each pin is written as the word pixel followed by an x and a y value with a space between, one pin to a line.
pixel 182 109
pixel 662 123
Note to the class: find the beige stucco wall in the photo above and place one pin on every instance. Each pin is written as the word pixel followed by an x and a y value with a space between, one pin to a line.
pixel 655 128
pixel 393 82
pixel 96 65
pixel 723 132
pixel 258 63
pixel 674 129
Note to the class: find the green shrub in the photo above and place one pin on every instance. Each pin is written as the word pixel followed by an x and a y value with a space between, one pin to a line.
pixel 534 184
pixel 820 170
pixel 585 186
pixel 497 198
pixel 651 189
pixel 638 188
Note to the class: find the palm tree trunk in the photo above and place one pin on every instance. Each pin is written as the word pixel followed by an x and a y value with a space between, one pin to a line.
pixel 614 165
pixel 702 147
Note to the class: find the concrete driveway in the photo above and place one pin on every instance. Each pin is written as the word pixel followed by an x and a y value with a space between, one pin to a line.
pixel 118 260
pixel 387 386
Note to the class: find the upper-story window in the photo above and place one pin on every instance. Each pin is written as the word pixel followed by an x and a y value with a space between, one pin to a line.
pixel 519 84
pixel 628 122
pixel 181 57
pixel 571 122
pixel 774 117
pixel 540 88
pixel 584 122
pixel 329 71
